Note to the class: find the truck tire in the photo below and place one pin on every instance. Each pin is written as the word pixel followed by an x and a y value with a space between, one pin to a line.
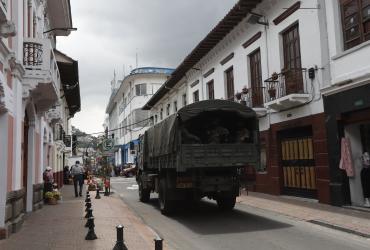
pixel 226 203
pixel 166 206
pixel 144 194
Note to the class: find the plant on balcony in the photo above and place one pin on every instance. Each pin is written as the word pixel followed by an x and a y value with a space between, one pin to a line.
pixel 274 76
pixel 245 90
pixel 238 96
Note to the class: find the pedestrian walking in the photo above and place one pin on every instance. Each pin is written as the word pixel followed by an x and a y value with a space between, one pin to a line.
pixel 77 172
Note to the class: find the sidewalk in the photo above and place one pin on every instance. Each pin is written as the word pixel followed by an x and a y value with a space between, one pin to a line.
pixel 62 226
pixel 344 219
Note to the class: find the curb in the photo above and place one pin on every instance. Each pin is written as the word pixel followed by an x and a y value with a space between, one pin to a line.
pixel 339 228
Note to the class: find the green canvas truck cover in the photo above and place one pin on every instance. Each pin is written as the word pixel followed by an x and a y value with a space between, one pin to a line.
pixel 163 137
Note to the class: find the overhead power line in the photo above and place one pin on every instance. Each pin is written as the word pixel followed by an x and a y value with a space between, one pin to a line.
pixel 126 126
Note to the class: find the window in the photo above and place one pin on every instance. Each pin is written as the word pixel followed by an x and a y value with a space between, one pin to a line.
pixel 184 102
pixel 175 106
pixel 263 156
pixel 196 96
pixel 355 22
pixel 229 74
pixel 141 89
pixel 168 109
pixel 210 90
pixel 256 78
pixel 161 115
pixel 155 119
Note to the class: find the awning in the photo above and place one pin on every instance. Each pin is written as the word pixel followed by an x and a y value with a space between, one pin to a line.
pixel 68 69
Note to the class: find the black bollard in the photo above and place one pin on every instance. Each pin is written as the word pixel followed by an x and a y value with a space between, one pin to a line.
pixel 158 243
pixel 89 213
pixel 88 205
pixel 91 233
pixel 97 194
pixel 120 244
pixel 90 222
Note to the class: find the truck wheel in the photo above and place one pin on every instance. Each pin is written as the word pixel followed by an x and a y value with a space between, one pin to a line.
pixel 144 194
pixel 226 203
pixel 165 204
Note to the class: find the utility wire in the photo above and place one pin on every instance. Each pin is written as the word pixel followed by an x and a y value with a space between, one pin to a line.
pixel 129 125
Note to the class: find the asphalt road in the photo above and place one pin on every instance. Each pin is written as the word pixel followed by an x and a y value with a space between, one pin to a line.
pixel 207 228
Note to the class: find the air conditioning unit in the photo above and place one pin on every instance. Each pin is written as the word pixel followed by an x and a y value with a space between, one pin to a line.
pixel 133 152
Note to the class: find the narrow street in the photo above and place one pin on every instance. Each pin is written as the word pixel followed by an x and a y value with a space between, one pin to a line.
pixel 243 228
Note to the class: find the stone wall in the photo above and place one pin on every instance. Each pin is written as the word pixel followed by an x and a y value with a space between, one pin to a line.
pixel 14 212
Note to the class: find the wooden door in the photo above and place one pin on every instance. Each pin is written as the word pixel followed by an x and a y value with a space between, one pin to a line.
pixel 230 84
pixel 298 166
pixel 292 61
pixel 256 78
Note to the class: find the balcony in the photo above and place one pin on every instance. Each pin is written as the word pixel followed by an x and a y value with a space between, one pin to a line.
pixel 253 98
pixel 3 10
pixel 286 90
pixel 42 75
pixel 54 114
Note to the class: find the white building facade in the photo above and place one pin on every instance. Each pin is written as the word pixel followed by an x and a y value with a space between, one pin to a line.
pixel 280 58
pixel 347 98
pixel 125 118
pixel 33 102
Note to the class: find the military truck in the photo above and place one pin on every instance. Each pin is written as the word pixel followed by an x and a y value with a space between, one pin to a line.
pixel 198 152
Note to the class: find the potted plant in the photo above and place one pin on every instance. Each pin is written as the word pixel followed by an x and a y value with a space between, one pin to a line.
pixel 91 187
pixel 238 96
pixel 245 90
pixel 57 195
pixel 50 198
pixel 274 76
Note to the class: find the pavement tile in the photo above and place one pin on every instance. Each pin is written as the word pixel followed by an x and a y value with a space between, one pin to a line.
pixel 304 210
pixel 62 226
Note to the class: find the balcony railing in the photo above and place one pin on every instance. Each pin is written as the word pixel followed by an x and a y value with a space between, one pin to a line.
pixel 292 81
pixel 3 10
pixel 32 54
pixel 39 61
pixel 253 97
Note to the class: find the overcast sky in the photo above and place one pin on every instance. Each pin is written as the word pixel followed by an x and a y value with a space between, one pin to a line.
pixel 110 32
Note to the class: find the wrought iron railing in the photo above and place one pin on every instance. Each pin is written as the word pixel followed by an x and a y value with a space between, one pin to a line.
pixel 292 81
pixel 253 97
pixel 32 54
pixel 4 3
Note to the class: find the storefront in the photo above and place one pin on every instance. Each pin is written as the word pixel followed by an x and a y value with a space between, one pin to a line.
pixel 348 116
pixel 297 159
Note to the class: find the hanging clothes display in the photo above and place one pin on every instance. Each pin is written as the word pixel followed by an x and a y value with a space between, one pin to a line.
pixel 346 162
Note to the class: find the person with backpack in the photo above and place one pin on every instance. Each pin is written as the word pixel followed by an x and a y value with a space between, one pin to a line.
pixel 77 173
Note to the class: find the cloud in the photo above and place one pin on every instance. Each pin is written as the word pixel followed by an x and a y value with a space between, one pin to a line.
pixel 110 33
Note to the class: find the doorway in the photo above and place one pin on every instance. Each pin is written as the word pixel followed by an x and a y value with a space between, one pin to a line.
pixel 25 158
pixel 298 163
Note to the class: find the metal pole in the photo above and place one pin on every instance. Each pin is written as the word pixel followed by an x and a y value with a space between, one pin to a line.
pixel 120 244
pixel 158 243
